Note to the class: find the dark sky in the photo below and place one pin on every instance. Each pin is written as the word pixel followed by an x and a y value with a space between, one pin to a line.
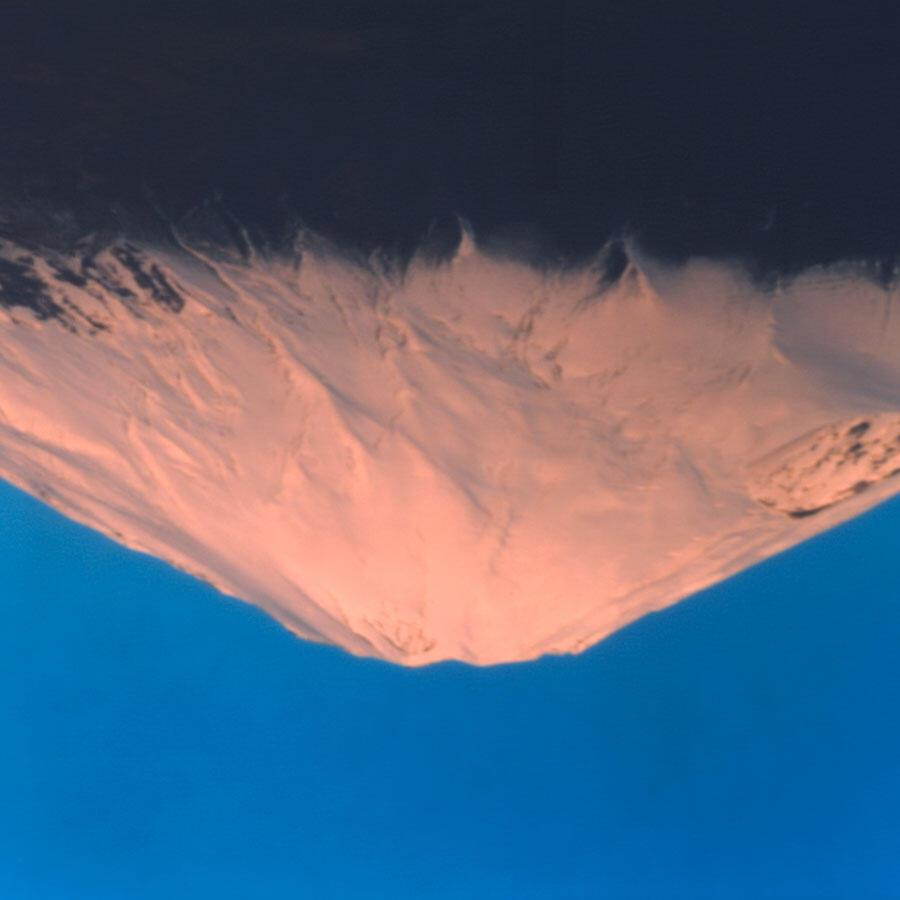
pixel 704 127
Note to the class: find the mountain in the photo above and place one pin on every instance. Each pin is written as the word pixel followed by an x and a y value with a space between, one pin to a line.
pixel 467 456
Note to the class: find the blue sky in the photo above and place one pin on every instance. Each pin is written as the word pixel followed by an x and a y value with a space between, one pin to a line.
pixel 157 740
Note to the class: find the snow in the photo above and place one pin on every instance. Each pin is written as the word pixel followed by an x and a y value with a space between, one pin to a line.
pixel 476 459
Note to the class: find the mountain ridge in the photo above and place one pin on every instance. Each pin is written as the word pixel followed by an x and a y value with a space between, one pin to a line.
pixel 466 457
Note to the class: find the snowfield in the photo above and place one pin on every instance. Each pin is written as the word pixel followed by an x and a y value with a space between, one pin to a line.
pixel 475 459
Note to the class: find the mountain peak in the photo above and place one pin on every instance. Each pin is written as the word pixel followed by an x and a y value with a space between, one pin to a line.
pixel 468 457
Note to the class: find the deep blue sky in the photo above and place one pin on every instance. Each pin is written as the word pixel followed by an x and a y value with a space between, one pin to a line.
pixel 157 740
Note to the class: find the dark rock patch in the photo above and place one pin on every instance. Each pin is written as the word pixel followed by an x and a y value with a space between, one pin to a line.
pixel 149 278
pixel 20 286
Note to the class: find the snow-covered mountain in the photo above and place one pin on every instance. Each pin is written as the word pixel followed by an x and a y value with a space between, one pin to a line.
pixel 470 459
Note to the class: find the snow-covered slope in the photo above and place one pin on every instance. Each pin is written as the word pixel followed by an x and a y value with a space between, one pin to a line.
pixel 472 459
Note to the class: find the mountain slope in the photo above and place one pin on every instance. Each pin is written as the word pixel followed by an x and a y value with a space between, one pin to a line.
pixel 471 459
